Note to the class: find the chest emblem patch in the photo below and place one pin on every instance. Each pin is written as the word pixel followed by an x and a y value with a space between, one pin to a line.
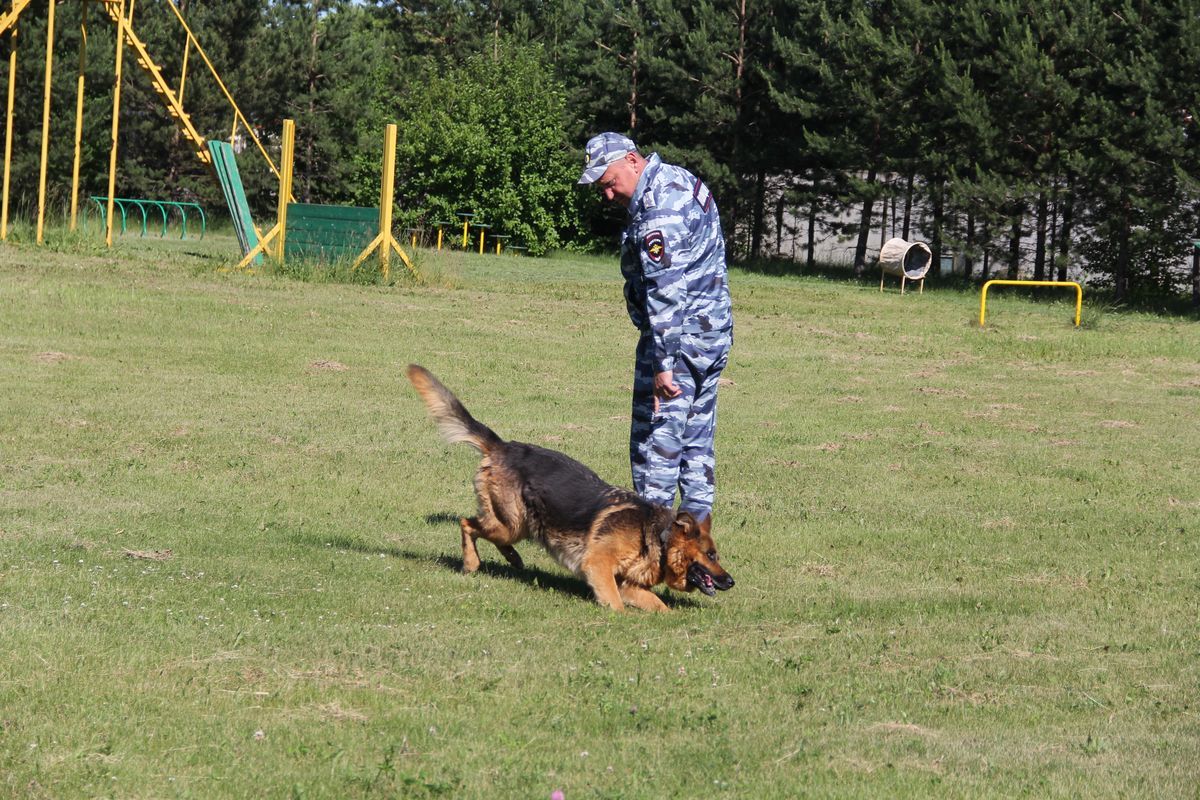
pixel 655 246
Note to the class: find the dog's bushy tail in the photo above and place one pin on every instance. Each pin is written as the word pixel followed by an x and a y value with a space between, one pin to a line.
pixel 454 422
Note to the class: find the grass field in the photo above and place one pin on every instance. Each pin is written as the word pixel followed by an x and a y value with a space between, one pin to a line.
pixel 966 560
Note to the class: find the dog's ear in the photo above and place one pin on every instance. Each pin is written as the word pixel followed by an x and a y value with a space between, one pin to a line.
pixel 686 525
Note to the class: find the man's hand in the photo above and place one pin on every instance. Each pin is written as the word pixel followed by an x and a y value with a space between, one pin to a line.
pixel 664 388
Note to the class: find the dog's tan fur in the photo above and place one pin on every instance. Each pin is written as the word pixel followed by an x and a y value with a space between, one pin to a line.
pixel 619 543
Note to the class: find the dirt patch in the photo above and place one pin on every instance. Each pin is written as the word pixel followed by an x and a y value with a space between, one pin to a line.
pixel 901 727
pixel 51 357
pixel 335 711
pixel 148 555
pixel 326 364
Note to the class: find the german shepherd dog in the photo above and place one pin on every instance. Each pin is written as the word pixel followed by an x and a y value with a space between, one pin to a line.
pixel 619 543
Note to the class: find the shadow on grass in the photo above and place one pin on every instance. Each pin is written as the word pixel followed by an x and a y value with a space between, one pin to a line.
pixel 532 576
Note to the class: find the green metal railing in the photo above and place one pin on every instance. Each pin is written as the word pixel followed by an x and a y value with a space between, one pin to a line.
pixel 164 208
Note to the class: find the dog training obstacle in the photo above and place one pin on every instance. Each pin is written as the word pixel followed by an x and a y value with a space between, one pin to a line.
pixel 121 14
pixel 983 295
pixel 308 230
pixel 907 260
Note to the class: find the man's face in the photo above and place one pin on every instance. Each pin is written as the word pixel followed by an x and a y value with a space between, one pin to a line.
pixel 620 179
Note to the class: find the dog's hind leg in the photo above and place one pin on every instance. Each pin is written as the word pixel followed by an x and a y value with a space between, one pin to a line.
pixel 472 529
pixel 510 553
pixel 641 598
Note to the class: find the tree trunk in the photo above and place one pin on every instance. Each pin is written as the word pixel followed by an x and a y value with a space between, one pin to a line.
pixel 883 221
pixel 1121 268
pixel 969 255
pixel 1014 245
pixel 1195 275
pixel 893 214
pixel 908 194
pixel 864 226
pixel 986 267
pixel 1064 234
pixel 1052 245
pixel 935 245
pixel 756 234
pixel 1039 254
pixel 780 205
pixel 811 261
pixel 633 78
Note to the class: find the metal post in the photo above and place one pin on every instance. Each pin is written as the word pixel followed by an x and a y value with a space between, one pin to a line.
pixel 286 154
pixel 116 124
pixel 8 131
pixel 79 83
pixel 46 120
pixel 386 194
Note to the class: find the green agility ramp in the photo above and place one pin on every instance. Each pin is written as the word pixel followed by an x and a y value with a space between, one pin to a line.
pixel 225 163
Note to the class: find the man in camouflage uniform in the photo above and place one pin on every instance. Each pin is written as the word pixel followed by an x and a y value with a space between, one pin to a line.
pixel 673 260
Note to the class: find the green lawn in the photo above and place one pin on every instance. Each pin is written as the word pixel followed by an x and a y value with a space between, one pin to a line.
pixel 966 560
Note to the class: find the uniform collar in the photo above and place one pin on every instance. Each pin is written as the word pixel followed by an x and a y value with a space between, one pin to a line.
pixel 653 162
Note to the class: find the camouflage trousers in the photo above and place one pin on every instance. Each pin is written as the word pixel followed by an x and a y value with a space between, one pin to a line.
pixel 674 447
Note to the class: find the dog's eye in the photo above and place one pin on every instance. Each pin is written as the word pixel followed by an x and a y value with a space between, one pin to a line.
pixel 712 554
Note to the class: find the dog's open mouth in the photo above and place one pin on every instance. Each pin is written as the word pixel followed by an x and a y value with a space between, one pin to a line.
pixel 705 581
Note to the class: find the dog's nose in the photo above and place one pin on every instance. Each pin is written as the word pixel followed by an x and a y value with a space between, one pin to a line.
pixel 725 582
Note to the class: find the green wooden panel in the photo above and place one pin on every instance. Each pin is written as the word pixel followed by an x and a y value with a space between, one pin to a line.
pixel 331 226
pixel 225 164
pixel 329 232
pixel 305 211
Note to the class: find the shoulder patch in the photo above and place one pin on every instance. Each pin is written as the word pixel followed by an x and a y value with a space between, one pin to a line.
pixel 702 195
pixel 655 246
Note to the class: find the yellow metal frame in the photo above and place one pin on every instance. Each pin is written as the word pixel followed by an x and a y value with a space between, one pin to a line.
pixel 6 22
pixel 989 284
pixel 278 233
pixel 41 215
pixel 385 242
pixel 273 242
pixel 116 122
pixel 80 80
pixel 121 14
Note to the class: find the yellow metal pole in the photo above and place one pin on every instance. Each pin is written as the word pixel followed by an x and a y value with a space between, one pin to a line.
pixel 481 234
pixel 116 124
pixel 386 192
pixel 439 237
pixel 46 120
pixel 187 46
pixel 79 84
pixel 983 295
pixel 8 131
pixel 466 222
pixel 213 70
pixel 286 154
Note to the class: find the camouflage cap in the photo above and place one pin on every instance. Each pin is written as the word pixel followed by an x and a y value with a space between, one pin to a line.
pixel 602 150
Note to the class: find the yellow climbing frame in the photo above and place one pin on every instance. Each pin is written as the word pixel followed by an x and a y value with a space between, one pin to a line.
pixel 986 286
pixel 120 13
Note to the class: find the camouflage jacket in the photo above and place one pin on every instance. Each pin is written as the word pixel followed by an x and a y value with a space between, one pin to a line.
pixel 673 260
